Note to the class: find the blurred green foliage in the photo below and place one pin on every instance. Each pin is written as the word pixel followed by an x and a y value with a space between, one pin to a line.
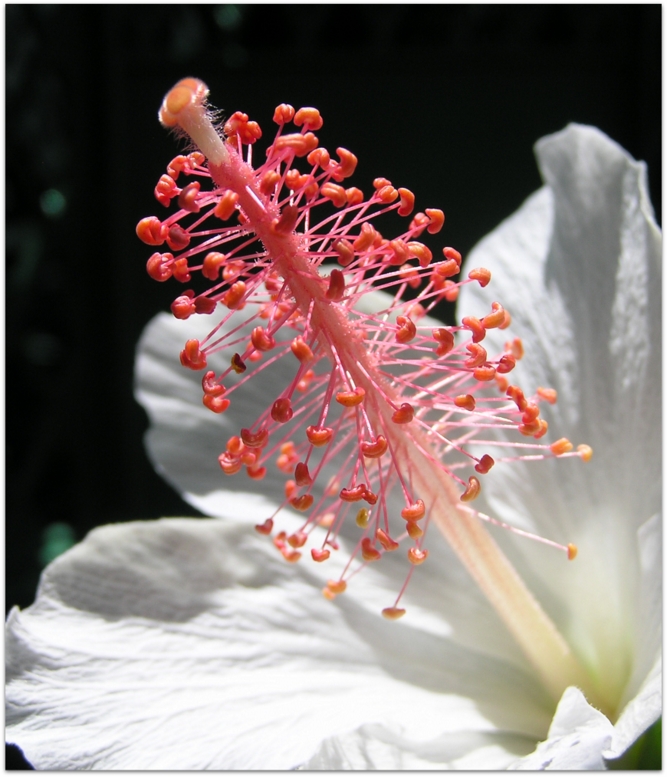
pixel 644 755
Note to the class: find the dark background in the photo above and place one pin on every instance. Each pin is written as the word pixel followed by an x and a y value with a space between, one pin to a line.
pixel 445 100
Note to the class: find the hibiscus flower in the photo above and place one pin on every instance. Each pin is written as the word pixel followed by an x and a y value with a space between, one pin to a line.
pixel 191 644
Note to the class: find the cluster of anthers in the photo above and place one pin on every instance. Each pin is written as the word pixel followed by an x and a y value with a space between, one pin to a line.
pixel 384 403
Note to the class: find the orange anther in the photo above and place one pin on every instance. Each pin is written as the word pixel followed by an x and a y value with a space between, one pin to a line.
pixel 181 270
pixel 211 386
pixel 477 355
pixel 517 395
pixel 465 401
pixel 319 436
pixel 165 190
pixel 444 270
pixel 192 357
pixel 227 205
pixel 336 586
pixel 414 530
pixel 354 195
pixel 291 555
pixel 484 464
pixel 572 551
pixel 309 118
pixel 495 319
pixel 256 473
pixel 211 265
pixel 256 439
pixel 287 221
pixel 290 489
pixel 298 539
pixel 561 446
pixel 301 145
pixel 406 329
pixel 585 452
pixel 319 158
pixel 472 490
pixel 387 194
pixel 268 182
pixel 344 250
pixel 436 220
pixel 229 464
pixel 336 289
pixel 320 555
pixel 502 383
pixel 530 413
pixel 417 556
pixel 302 502
pixel 404 414
pixel 399 252
pixel 261 339
pixel 375 449
pixel 158 266
pixel 335 193
pixel 151 231
pixel 301 350
pixel 354 494
pixel 351 398
pixel 410 275
pixel 419 223
pixel 385 540
pixel 393 613
pixel 481 275
pixel 368 552
pixel 366 237
pixel 407 202
pixel 415 511
pixel 232 269
pixel 544 426
pixel 379 183
pixel 237 364
pixel 346 166
pixel 548 394
pixel 420 252
pixel 446 340
pixel 507 321
pixel 233 297
pixel 485 373
pixel 305 381
pixel 506 363
pixel 295 179
pixel 451 253
pixel 362 518
pixel 283 113
pixel 266 527
pixel 216 404
pixel 281 410
pixel 528 430
pixel 301 475
pixel 475 326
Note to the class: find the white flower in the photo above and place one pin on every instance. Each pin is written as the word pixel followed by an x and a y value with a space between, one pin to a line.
pixel 191 644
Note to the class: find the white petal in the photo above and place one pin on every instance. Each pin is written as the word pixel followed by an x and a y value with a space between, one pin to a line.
pixel 186 644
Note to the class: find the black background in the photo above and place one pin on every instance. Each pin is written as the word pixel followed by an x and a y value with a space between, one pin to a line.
pixel 445 100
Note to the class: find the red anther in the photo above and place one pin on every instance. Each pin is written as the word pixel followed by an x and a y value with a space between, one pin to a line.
pixel 305 382
pixel 344 250
pixel 477 355
pixel 436 220
pixel 465 401
pixel 495 319
pixel 506 363
pixel 354 195
pixel 393 613
pixel 183 307
pixel 336 289
pixel 484 464
pixel 417 556
pixel 548 394
pixel 351 398
pixel 177 238
pixel 205 305
pixel 484 373
pixel 385 540
pixel 585 452
pixel 266 527
pixel 319 158
pixel 368 552
pixel 181 270
pixel 370 497
pixel 415 511
pixel 229 464
pixel 420 252
pixel 233 297
pixel 235 446
pixel 237 364
pixel 279 540
pixel 295 179
pixel 335 193
pixel 301 350
pixel 187 199
pixel 336 586
pixel 309 118
pixel 530 429
pixel 366 237
pixel 192 357
pixel 451 253
pixel 445 339
pixel 281 410
pixel 287 221
pixel 375 449
pixel 387 194
pixel 320 555
pixel 249 457
pixel 151 231
pixel 261 339
pixel 346 166
pixel 213 261
pixel 227 205
pixel 414 530
pixel 472 490
pixel 301 475
pixel 406 329
pixel 291 556
pixel 516 394
pixel 256 473
pixel 283 113
pixel 256 439
pixel 268 182
pixel 298 539
pixel 407 202
pixel 290 489
pixel 319 436
pixel 400 253
pixel 216 404
pixel 301 145
pixel 354 494
pixel 561 446
pixel 404 414
pixel 481 275
pixel 475 326
pixel 211 386
pixel 165 190
pixel 158 266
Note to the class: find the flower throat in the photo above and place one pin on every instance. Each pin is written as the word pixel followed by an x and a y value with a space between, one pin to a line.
pixel 384 403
